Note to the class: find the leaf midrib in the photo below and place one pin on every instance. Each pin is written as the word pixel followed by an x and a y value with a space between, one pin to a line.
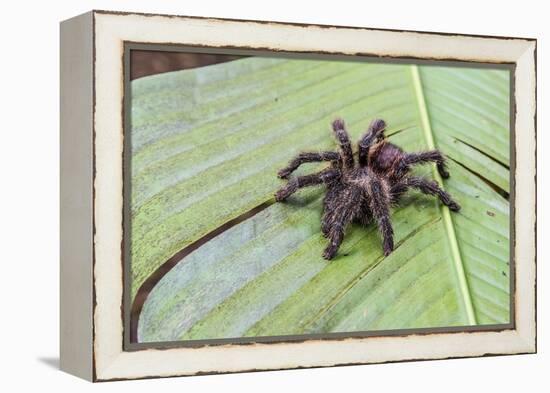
pixel 447 219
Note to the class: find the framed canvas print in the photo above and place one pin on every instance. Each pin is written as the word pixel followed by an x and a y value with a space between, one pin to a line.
pixel 245 195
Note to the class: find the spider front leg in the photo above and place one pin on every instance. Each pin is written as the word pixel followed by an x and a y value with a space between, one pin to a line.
pixel 328 212
pixel 339 218
pixel 379 202
pixel 296 183
pixel 335 235
pixel 428 187
pixel 303 158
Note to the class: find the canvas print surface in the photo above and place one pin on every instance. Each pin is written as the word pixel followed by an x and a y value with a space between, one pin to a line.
pixel 235 232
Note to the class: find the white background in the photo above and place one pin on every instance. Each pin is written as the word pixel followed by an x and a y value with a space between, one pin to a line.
pixel 29 197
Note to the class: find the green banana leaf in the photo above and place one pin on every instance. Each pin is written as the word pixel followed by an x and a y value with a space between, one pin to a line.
pixel 206 146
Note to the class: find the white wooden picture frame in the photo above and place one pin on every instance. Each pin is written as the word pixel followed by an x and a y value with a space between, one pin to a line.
pixel 92 143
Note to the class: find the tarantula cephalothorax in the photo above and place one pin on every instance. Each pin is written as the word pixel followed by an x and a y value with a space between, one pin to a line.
pixel 366 190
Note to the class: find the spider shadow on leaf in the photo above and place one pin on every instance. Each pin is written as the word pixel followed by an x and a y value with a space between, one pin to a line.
pixel 305 201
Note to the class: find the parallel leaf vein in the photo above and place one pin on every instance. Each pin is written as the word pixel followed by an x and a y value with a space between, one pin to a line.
pixel 448 222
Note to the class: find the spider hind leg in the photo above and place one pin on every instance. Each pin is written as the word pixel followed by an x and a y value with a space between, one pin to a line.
pixel 429 156
pixel 428 187
pixel 342 136
pixel 375 130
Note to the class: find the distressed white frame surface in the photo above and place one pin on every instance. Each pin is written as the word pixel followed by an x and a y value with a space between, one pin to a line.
pixel 111 30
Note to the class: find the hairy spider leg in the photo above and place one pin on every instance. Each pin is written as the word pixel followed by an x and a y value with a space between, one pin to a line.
pixel 343 140
pixel 426 157
pixel 340 218
pixel 365 215
pixel 376 127
pixel 379 202
pixel 330 201
pixel 294 184
pixel 426 186
pixel 303 158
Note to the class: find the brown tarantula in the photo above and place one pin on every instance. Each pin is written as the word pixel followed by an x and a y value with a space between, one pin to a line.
pixel 359 192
